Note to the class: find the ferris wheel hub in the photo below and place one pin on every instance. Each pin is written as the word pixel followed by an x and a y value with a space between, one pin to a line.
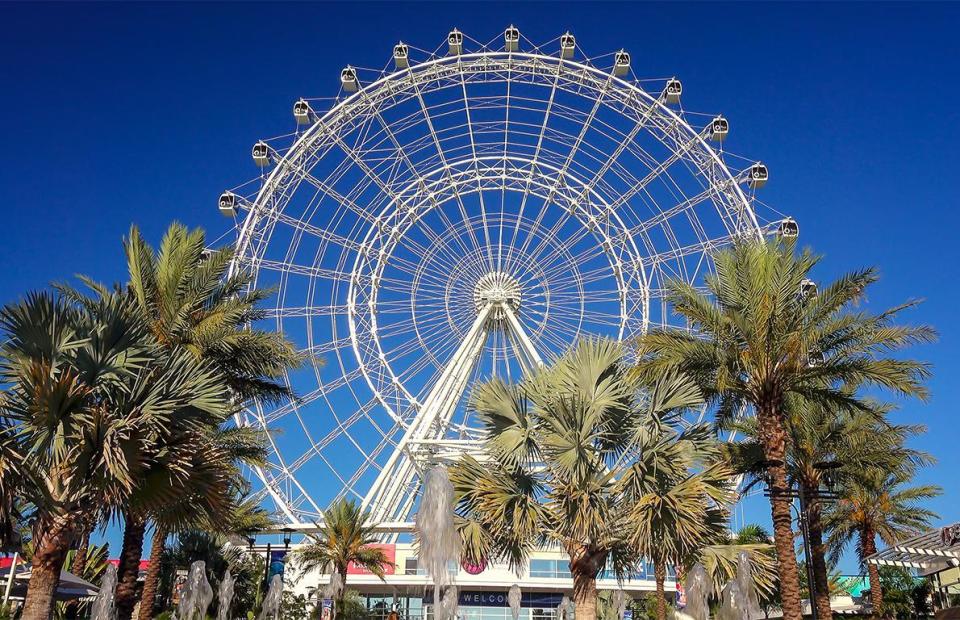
pixel 498 288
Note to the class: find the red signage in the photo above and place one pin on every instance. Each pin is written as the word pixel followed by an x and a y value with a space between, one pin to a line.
pixel 388 550
pixel 474 569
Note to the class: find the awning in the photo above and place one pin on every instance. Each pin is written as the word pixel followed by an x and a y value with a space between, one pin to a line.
pixel 931 552
pixel 71 587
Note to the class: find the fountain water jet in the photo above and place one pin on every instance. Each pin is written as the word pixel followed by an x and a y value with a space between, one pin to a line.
pixel 271 602
pixel 514 598
pixel 197 593
pixel 564 609
pixel 103 605
pixel 225 596
pixel 619 601
pixel 739 597
pixel 748 588
pixel 697 587
pixel 447 608
pixel 439 543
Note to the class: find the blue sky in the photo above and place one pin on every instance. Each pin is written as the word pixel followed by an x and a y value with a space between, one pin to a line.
pixel 118 114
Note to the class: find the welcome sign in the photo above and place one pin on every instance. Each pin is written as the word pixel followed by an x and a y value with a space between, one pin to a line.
pixel 477 598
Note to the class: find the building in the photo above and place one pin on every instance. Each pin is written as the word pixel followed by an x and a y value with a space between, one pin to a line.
pixel 482 589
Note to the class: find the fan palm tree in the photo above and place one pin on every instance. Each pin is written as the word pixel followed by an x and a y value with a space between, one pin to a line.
pixel 826 446
pixel 191 302
pixel 678 490
pixel 760 335
pixel 878 502
pixel 85 392
pixel 556 445
pixel 345 538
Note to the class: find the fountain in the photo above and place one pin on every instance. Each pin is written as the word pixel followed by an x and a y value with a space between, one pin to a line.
pixel 748 589
pixel 697 587
pixel 563 609
pixel 197 593
pixel 439 543
pixel 103 605
pixel 739 596
pixel 225 596
pixel 619 601
pixel 447 607
pixel 514 598
pixel 271 602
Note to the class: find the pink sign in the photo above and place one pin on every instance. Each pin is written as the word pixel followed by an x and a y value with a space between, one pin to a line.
pixel 388 550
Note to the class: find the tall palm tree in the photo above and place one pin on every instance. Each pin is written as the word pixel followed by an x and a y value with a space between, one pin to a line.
pixel 192 303
pixel 345 538
pixel 880 503
pixel 85 392
pixel 556 444
pixel 760 335
pixel 826 446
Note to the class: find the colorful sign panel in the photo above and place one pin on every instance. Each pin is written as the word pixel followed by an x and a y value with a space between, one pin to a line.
pixel 470 598
pixel 388 550
pixel 277 562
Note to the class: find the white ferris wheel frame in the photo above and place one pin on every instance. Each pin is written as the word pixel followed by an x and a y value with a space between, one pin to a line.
pixel 425 435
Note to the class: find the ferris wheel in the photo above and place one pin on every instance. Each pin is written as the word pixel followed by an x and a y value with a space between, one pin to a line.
pixel 465 213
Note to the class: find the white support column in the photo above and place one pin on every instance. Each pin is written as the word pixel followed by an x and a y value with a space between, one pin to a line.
pixel 526 352
pixel 387 493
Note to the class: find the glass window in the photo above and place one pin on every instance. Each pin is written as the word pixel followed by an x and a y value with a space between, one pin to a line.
pixel 551 569
pixel 411 567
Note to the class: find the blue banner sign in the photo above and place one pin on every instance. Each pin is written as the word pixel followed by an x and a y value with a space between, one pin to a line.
pixel 476 598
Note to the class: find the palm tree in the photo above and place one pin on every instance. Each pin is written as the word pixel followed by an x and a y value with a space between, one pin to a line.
pixel 345 538
pixel 191 302
pixel 826 446
pixel 85 393
pixel 878 503
pixel 759 335
pixel 678 490
pixel 556 444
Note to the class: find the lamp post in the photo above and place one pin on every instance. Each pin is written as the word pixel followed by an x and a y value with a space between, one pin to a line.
pixel 798 493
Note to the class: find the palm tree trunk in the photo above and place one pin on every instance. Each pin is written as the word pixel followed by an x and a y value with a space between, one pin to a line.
pixel 585 596
pixel 774 440
pixel 52 538
pixel 125 599
pixel 868 546
pixel 660 575
pixel 338 595
pixel 818 552
pixel 77 568
pixel 152 578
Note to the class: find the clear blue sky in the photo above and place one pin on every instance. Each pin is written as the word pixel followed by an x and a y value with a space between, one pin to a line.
pixel 116 114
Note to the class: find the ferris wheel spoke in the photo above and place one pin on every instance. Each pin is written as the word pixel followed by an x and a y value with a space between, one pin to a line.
pixel 421 182
pixel 584 129
pixel 473 148
pixel 303 270
pixel 534 163
pixel 443 160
